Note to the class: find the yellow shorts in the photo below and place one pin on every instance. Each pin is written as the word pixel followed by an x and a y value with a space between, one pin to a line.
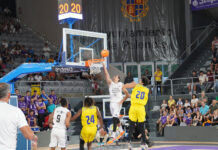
pixel 88 133
pixel 137 113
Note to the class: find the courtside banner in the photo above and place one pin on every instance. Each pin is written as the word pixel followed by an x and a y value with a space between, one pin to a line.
pixel 203 4
pixel 67 69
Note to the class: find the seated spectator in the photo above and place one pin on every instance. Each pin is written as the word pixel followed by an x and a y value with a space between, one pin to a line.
pixel 215 46
pixel 52 76
pixel 188 110
pixel 216 78
pixel 203 97
pixel 210 83
pixel 29 59
pixel 45 97
pixel 41 111
pixel 179 102
pixel 128 78
pixel 27 98
pixel 161 123
pixel 30 51
pixel 51 59
pixel 213 107
pixel 215 118
pixel 36 59
pixel 51 106
pixel 187 104
pixel 197 120
pixel 194 84
pixel 38 77
pixel 35 96
pixel 164 107
pixel 46 50
pixel 171 101
pixel 180 113
pixel 54 97
pixel 23 50
pixel 4 43
pixel 204 110
pixel 207 121
pixel 30 77
pixel 202 80
pixel 194 100
pixel 195 108
pixel 43 60
pixel 22 105
pixel 214 64
pixel 172 119
pixel 188 119
pixel 17 92
pixel 32 106
pixel 31 118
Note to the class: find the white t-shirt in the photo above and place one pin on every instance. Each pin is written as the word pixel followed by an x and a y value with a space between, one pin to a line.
pixel 194 101
pixel 187 104
pixel 115 90
pixel 203 79
pixel 11 118
pixel 59 117
pixel 38 78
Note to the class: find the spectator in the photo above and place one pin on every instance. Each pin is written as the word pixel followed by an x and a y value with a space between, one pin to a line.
pixel 164 107
pixel 53 97
pixel 22 105
pixel 51 76
pixel 128 78
pixel 215 118
pixel 213 107
pixel 180 103
pixel 35 96
pixel 214 64
pixel 210 79
pixel 38 77
pixel 41 111
pixel 158 79
pixel 27 98
pixel 172 119
pixel 188 119
pixel 32 106
pixel 171 101
pixel 17 92
pixel 187 104
pixel 180 113
pixel 51 59
pixel 51 106
pixel 194 100
pixel 30 77
pixel 203 97
pixel 31 118
pixel 197 121
pixel 148 75
pixel 161 123
pixel 30 51
pixel 204 110
pixel 216 77
pixel 215 46
pixel 45 97
pixel 43 60
pixel 46 50
pixel 194 84
pixel 29 59
pixel 188 110
pixel 195 109
pixel 207 121
pixel 202 80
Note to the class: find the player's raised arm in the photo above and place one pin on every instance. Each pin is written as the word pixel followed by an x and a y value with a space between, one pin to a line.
pixel 76 115
pixel 130 85
pixel 107 76
pixel 68 118
pixel 99 118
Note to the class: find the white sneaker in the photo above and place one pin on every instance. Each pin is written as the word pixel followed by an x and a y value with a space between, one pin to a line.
pixel 144 147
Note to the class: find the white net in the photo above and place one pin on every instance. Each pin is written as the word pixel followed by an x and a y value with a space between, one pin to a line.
pixel 95 68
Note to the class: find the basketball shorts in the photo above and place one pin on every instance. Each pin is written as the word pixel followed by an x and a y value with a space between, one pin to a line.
pixel 137 113
pixel 58 138
pixel 88 133
pixel 115 109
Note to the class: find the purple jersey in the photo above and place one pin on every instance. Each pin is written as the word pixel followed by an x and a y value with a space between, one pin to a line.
pixel 196 109
pixel 31 120
pixel 27 99
pixel 40 104
pixel 188 120
pixel 188 111
pixel 19 96
pixel 36 96
pixel 163 119
pixel 33 107
pixel 54 97
pixel 22 105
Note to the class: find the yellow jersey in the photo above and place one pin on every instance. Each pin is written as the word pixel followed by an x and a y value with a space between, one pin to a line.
pixel 89 116
pixel 158 74
pixel 139 95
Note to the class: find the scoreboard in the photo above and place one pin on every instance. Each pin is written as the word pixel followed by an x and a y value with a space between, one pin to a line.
pixel 69 9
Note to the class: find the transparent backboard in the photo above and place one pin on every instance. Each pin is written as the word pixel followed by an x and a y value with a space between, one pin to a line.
pixel 80 46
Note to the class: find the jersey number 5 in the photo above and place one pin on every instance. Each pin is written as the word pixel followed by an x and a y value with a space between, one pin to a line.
pixel 90 120
pixel 140 95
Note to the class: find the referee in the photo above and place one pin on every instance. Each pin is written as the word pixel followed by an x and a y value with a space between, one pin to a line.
pixel 12 118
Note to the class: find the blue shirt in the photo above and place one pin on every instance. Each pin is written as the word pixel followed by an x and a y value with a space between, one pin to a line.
pixel 42 60
pixel 51 108
pixel 28 59
pixel 204 110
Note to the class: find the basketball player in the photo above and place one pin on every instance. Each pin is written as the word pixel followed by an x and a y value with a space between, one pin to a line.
pixel 116 100
pixel 59 121
pixel 89 118
pixel 137 113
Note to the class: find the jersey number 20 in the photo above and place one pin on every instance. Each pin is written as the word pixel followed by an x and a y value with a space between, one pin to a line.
pixel 92 119
pixel 140 95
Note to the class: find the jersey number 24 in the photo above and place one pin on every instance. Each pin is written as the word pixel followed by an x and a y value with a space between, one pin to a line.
pixel 90 120
pixel 140 95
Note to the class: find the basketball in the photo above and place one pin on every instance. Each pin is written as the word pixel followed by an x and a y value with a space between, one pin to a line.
pixel 105 53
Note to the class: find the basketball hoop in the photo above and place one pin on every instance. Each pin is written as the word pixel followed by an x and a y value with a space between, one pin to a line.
pixel 94 65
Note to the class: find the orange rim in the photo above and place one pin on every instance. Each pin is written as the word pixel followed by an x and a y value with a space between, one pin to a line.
pixel 89 62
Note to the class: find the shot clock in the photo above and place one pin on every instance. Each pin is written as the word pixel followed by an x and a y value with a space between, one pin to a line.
pixel 69 9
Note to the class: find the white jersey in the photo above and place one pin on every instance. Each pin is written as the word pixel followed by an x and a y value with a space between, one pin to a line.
pixel 59 117
pixel 115 90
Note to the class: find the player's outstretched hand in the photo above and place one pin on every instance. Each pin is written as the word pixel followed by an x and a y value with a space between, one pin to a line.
pixel 103 132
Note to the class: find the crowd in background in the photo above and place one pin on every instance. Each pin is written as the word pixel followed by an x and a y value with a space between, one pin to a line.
pixel 184 112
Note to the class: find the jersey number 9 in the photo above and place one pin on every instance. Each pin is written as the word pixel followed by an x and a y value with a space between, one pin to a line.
pixel 90 120
pixel 140 95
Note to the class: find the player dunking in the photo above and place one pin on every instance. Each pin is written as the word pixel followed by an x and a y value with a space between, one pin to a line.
pixel 59 121
pixel 137 113
pixel 116 100
pixel 89 118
